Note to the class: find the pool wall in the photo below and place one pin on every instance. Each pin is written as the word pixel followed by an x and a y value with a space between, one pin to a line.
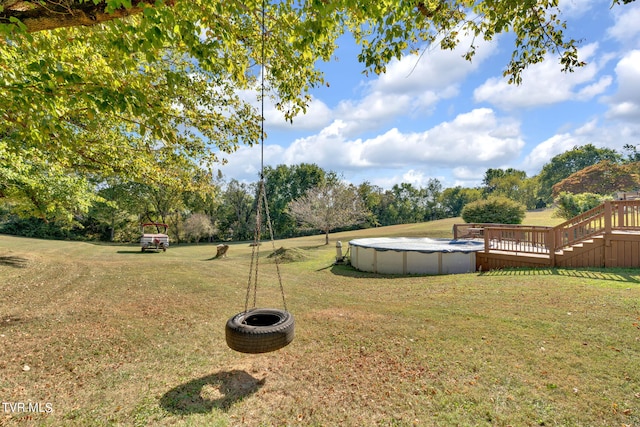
pixel 395 260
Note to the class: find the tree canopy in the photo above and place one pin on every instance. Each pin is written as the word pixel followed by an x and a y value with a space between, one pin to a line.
pixel 569 162
pixel 329 206
pixel 603 178
pixel 154 91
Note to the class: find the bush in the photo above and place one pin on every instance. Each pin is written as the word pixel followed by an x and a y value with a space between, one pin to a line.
pixel 37 228
pixel 496 210
pixel 570 205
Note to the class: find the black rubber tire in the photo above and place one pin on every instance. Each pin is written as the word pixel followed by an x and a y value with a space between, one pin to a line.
pixel 260 330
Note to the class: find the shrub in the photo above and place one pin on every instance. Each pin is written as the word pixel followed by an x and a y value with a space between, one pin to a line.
pixel 38 228
pixel 570 205
pixel 497 210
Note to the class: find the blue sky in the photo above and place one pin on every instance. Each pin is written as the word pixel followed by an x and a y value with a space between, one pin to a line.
pixel 439 116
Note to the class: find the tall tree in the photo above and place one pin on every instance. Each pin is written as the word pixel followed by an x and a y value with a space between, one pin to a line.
pixel 198 226
pixel 454 199
pixel 563 165
pixel 502 180
pixel 142 98
pixel 431 201
pixel 570 205
pixel 371 196
pixel 512 184
pixel 327 207
pixel 116 215
pixel 633 155
pixel 236 213
pixel 408 205
pixel 286 183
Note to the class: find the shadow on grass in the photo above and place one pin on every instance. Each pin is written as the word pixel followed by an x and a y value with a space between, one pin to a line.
pixel 618 275
pixel 213 258
pixel 346 270
pixel 312 247
pixel 215 391
pixel 13 261
pixel 139 252
pixel 11 320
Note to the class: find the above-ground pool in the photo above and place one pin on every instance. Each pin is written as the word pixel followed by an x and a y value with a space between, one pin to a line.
pixel 409 255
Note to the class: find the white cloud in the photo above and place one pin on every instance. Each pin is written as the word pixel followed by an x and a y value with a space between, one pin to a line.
pixel 371 112
pixel 545 84
pixel 604 135
pixel 317 116
pixel 625 104
pixel 435 70
pixel 588 133
pixel 411 85
pixel 591 91
pixel 468 176
pixel 546 150
pixel 625 109
pixel 626 28
pixel 477 137
pixel 328 149
pixel 418 179
pixel 576 8
pixel 244 163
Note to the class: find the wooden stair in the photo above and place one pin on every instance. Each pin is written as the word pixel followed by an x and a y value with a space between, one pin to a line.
pixel 587 253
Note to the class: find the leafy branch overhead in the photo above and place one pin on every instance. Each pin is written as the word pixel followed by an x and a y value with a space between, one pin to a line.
pixel 155 91
pixel 47 15
pixel 385 29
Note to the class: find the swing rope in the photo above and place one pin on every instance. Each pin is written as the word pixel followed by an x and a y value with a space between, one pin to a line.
pixel 252 284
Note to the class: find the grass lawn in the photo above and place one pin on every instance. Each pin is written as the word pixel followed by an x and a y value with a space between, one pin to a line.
pixel 94 334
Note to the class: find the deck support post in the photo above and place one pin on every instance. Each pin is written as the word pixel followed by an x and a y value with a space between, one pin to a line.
pixel 551 244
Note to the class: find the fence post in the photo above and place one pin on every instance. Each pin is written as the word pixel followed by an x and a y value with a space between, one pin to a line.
pixel 551 244
pixel 485 233
pixel 622 216
pixel 607 217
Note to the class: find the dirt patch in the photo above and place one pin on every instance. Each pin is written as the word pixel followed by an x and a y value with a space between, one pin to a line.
pixel 289 255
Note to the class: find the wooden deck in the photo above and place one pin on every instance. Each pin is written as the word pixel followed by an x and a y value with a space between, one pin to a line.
pixel 606 236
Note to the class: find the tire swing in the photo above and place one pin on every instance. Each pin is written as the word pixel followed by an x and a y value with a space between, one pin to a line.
pixel 260 330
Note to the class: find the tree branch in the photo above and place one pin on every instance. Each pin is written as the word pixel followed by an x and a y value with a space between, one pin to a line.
pixel 50 14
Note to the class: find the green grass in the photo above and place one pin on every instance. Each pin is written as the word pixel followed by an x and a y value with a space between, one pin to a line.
pixel 112 336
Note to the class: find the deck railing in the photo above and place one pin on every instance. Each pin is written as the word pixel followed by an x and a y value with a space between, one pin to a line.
pixel 614 215
pixel 519 239
pixel 625 215
pixel 583 226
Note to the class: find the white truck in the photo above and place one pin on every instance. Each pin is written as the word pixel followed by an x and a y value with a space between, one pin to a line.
pixel 154 241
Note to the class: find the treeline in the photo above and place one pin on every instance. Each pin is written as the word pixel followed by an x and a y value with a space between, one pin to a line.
pixel 227 209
